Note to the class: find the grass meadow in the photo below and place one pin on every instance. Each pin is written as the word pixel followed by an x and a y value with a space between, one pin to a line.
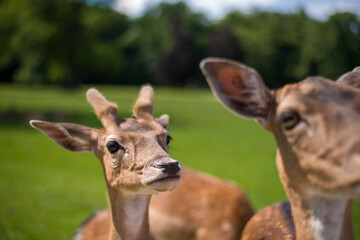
pixel 46 191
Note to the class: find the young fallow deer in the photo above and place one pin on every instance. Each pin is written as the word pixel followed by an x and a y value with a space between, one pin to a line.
pixel 133 153
pixel 316 124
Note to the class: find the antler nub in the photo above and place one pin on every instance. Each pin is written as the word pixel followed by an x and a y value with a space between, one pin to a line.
pixel 106 111
pixel 143 107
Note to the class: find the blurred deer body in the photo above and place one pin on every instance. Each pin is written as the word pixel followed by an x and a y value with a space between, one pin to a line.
pixel 200 207
pixel 318 154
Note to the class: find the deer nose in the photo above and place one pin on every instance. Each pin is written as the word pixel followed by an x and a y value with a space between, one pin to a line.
pixel 171 168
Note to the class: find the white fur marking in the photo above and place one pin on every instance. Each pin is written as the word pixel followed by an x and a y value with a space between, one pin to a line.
pixel 327 217
pixel 135 208
pixel 201 232
pixel 226 227
pixel 112 137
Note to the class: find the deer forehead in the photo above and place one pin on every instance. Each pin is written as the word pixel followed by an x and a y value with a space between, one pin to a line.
pixel 132 127
pixel 314 94
pixel 141 126
pixel 311 87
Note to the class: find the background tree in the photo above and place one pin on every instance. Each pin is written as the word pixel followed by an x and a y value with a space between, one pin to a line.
pixel 223 43
pixel 69 42
pixel 331 48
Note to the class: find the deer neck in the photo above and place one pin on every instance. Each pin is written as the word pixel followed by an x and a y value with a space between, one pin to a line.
pixel 129 215
pixel 315 217
pixel 321 218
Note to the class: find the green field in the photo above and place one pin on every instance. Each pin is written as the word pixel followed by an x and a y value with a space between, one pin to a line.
pixel 46 191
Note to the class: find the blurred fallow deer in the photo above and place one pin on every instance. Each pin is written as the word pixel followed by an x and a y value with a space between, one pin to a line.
pixel 316 124
pixel 133 153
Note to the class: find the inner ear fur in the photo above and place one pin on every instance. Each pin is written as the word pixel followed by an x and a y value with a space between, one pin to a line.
pixel 238 87
pixel 73 137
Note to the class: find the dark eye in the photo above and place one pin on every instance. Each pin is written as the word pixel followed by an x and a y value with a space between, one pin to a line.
pixel 289 120
pixel 168 139
pixel 113 147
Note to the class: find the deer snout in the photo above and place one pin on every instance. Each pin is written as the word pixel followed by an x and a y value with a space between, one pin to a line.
pixel 171 168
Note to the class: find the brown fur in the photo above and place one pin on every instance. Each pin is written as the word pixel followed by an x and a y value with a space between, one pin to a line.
pixel 202 206
pixel 271 223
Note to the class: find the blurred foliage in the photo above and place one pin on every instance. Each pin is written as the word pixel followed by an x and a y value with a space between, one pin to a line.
pixel 69 42
pixel 288 47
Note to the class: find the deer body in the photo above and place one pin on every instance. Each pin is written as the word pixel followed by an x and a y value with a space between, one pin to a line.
pixel 318 156
pixel 272 222
pixel 200 207
pixel 207 208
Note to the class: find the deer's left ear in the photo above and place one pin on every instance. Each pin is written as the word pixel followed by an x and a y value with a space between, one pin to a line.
pixel 73 137
pixel 163 120
pixel 238 87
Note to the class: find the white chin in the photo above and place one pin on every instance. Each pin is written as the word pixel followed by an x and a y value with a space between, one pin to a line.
pixel 165 184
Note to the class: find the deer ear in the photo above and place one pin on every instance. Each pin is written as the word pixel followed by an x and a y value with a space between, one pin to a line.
pixel 163 120
pixel 238 87
pixel 351 78
pixel 73 137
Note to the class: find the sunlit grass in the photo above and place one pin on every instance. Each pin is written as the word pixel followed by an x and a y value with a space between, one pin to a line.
pixel 46 192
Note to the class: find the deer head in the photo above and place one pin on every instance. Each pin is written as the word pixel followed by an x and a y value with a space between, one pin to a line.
pixel 133 152
pixel 315 123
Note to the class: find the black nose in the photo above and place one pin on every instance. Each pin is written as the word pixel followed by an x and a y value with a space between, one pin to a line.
pixel 171 168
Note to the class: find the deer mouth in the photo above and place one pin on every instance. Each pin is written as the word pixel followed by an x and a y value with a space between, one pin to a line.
pixel 166 183
pixel 166 179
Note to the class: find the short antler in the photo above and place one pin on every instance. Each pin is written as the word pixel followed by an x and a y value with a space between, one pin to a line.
pixel 143 107
pixel 106 111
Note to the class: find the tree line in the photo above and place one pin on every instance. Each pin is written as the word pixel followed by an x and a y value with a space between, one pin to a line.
pixel 69 42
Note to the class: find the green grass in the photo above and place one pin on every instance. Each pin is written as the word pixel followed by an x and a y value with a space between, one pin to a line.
pixel 46 192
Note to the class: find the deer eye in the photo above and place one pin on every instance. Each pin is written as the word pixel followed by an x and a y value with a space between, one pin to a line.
pixel 289 120
pixel 113 147
pixel 168 139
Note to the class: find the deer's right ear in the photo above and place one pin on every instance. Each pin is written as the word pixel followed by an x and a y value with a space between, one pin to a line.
pixel 238 87
pixel 73 137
